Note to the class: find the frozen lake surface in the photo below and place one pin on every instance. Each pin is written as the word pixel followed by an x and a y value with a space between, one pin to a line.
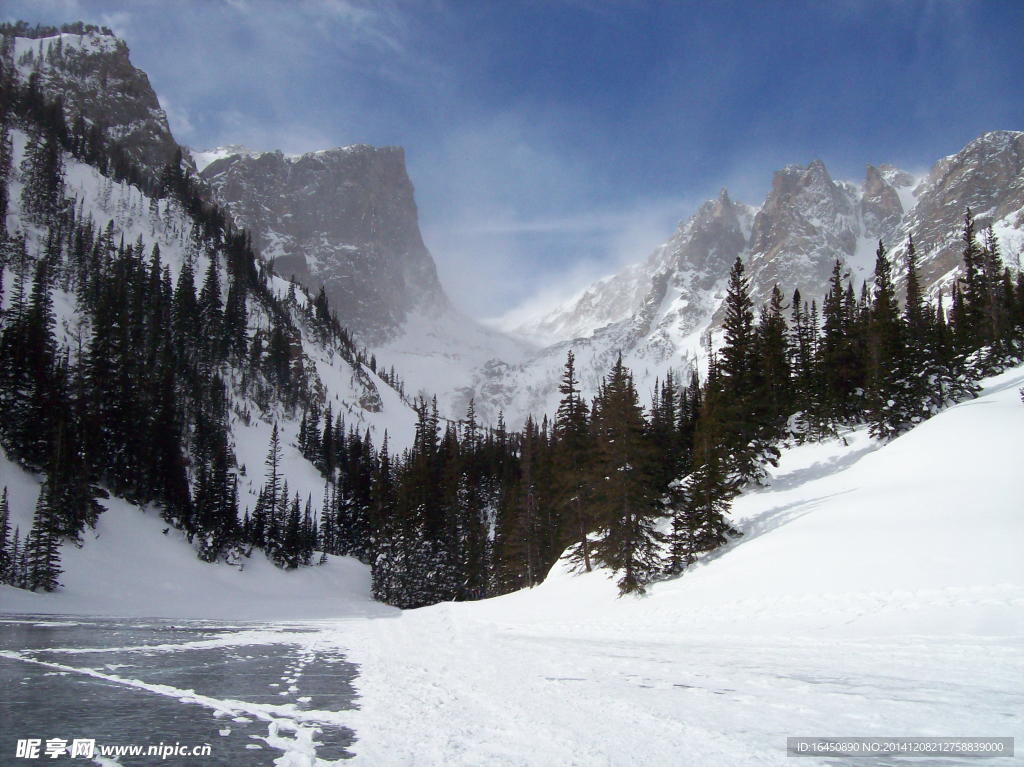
pixel 254 692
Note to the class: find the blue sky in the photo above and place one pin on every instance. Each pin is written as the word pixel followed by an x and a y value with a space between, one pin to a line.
pixel 552 142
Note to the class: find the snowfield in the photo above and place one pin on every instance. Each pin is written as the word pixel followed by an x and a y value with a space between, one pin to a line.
pixel 877 591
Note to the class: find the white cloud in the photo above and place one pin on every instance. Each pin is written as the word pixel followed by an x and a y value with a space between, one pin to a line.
pixel 181 126
pixel 119 23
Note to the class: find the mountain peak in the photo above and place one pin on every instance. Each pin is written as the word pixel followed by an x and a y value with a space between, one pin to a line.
pixel 94 76
pixel 817 166
pixel 344 219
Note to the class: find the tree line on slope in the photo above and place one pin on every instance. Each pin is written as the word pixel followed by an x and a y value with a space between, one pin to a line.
pixel 138 399
pixel 468 512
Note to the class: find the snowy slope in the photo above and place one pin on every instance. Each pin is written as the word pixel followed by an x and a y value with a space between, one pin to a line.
pixel 447 354
pixel 132 564
pixel 365 400
pixel 876 592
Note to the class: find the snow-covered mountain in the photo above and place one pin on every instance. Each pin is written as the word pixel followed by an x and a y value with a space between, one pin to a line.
pixel 346 219
pixel 336 377
pixel 658 314
pixel 341 218
pixel 94 76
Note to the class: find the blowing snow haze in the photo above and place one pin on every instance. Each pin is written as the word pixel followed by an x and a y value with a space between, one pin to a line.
pixel 558 383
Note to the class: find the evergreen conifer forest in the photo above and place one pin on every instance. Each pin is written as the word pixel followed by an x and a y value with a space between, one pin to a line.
pixel 138 404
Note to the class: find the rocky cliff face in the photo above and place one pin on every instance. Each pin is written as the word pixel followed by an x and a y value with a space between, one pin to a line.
pixel 663 313
pixel 881 210
pixel 96 79
pixel 988 177
pixel 344 219
pixel 806 222
pixel 341 218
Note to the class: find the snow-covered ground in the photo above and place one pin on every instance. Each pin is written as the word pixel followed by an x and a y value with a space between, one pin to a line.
pixel 876 591
pixel 128 566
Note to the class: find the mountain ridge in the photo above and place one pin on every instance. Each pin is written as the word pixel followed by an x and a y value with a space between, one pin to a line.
pixel 671 315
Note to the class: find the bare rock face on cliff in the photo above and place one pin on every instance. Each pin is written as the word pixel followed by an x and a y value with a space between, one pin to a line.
pixel 881 209
pixel 344 219
pixel 806 222
pixel 986 176
pixel 93 75
pixel 662 314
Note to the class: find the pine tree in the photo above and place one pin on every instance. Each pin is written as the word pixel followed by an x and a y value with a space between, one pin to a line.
pixel 918 366
pixel 993 310
pixel 701 501
pixel 625 500
pixel 28 351
pixel 42 170
pixel 388 544
pixel 916 312
pixel 5 539
pixel 837 356
pixel 969 312
pixel 168 472
pixel 235 321
pixel 737 354
pixel 572 455
pixel 72 494
pixel 326 452
pixel 290 554
pixel 889 408
pixel 805 383
pixel 211 316
pixel 746 431
pixel 16 572
pixel 273 463
pixel 215 506
pixel 186 314
pixel 42 546
pixel 6 155
pixel 475 521
pixel 772 355
pixel 664 431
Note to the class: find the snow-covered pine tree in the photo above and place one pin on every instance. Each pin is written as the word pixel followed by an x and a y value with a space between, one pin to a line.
pixel 42 546
pixel 5 538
